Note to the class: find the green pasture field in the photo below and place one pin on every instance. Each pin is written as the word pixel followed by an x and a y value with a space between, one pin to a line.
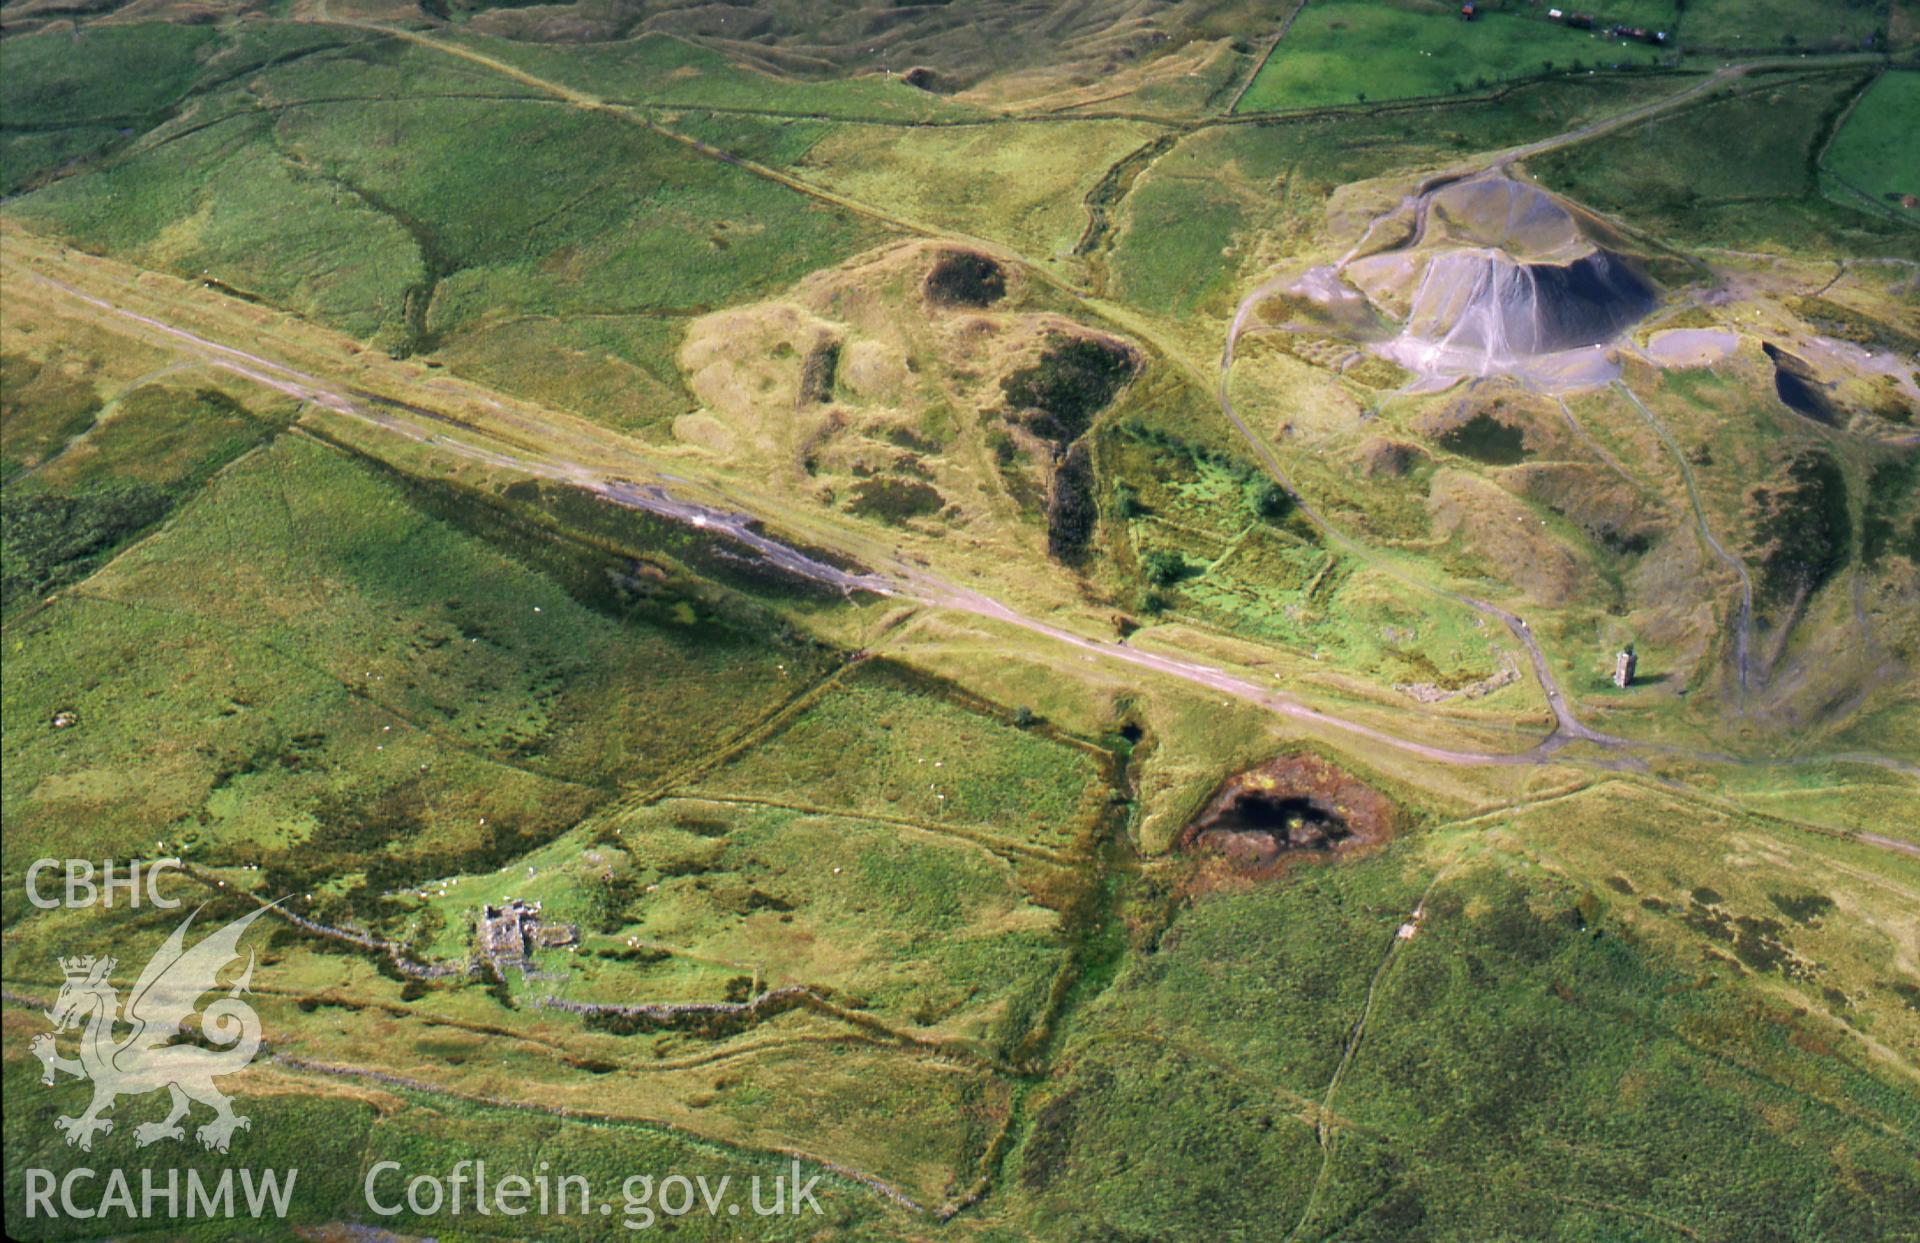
pixel 1760 25
pixel 698 899
pixel 1352 51
pixel 1878 149
pixel 1731 172
pixel 1647 14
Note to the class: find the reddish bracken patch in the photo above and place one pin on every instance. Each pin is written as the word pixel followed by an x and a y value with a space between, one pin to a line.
pixel 1289 808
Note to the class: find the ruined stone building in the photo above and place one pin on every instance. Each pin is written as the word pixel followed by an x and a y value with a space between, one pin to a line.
pixel 510 933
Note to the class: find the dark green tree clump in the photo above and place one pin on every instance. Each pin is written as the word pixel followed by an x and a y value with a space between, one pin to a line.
pixel 1267 500
pixel 1164 567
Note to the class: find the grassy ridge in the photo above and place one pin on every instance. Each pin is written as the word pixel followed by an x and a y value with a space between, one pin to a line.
pixel 73 97
pixel 662 71
pixel 571 289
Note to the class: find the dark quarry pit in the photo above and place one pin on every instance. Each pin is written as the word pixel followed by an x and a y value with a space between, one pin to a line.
pixel 1295 806
pixel 966 278
pixel 1798 388
pixel 1257 827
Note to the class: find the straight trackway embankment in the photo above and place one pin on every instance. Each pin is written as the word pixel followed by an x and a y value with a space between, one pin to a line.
pixel 470 439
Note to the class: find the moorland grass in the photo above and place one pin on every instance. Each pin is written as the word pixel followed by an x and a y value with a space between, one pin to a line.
pixel 659 70
pixel 221 202
pixel 89 478
pixel 402 240
pixel 837 904
pixel 365 683
pixel 378 660
pixel 70 97
pixel 880 745
pixel 319 1141
pixel 42 408
pixel 331 1133
pixel 1019 184
pixel 1522 1019
pixel 1521 1016
pixel 616 369
pixel 125 74
pixel 64 102
pixel 1191 1084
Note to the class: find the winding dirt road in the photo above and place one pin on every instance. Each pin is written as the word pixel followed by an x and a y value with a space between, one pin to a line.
pixel 1743 625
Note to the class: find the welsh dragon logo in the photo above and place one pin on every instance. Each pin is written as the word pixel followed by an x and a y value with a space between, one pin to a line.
pixel 146 1060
